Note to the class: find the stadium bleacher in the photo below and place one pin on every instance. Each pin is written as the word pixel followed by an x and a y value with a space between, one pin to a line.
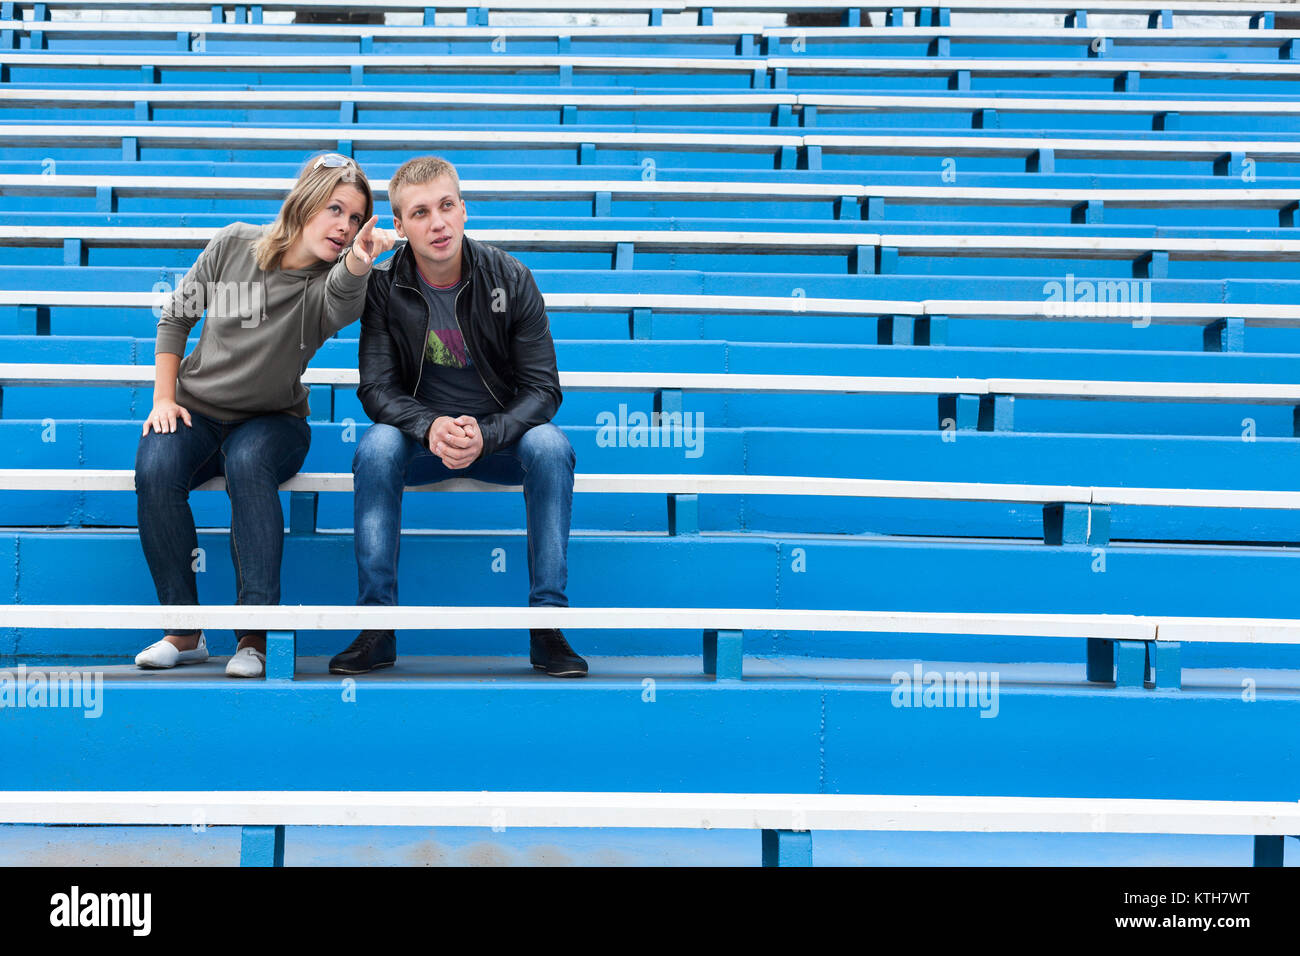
pixel 981 340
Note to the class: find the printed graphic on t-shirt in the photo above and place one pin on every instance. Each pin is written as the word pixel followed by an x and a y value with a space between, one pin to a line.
pixel 446 347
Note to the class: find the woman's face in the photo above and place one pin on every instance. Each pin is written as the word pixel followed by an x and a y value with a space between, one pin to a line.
pixel 329 232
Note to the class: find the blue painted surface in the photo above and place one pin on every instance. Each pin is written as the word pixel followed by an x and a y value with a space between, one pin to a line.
pixel 814 713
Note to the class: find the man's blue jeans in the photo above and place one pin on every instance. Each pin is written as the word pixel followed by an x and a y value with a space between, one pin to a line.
pixel 255 456
pixel 388 459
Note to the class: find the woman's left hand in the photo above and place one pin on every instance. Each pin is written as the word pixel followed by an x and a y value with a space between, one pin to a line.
pixel 369 245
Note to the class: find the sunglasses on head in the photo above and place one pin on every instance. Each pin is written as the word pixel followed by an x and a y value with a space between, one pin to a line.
pixel 332 160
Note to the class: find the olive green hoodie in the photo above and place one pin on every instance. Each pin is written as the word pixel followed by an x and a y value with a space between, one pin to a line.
pixel 260 330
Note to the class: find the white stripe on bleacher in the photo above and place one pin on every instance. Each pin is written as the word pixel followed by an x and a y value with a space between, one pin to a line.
pixel 1005 6
pixel 1253 393
pixel 709 811
pixel 918 66
pixel 112 28
pixel 533 6
pixel 1254 314
pixel 93 479
pixel 1115 627
pixel 598 239
pixel 719 101
pixel 927 145
pixel 1119 627
pixel 231 186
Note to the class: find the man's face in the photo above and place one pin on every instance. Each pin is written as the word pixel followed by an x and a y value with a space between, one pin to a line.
pixel 433 222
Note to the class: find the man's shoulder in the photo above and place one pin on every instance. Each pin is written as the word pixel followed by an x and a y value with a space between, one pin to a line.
pixel 496 261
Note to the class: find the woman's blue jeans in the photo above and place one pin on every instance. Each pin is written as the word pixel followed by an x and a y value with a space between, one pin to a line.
pixel 387 460
pixel 255 456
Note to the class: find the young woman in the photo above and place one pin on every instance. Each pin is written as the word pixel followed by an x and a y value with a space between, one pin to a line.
pixel 236 406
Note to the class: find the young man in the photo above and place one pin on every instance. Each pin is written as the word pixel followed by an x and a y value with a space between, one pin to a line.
pixel 458 376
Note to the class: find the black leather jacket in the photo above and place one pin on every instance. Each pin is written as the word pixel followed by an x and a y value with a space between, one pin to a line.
pixel 503 319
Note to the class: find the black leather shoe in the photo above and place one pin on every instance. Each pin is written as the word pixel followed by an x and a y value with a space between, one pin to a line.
pixel 550 652
pixel 370 651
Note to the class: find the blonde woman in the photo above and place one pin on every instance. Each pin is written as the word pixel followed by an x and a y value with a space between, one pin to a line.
pixel 236 406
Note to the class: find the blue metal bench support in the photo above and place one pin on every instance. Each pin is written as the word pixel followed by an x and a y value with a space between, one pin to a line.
pixel 639 324
pixel 566 74
pixel 563 44
pixel 586 154
pixel 668 401
pixel 568 115
pixel 40 11
pixel 321 401
pixel 1167 121
pixel 849 207
pixel 183 41
pixel 357 74
pixel 130 149
pixel 1163 19
pixel 1091 212
pixel 724 654
pixel 1286 216
pixel 601 204
pixel 1130 663
pixel 261 846
pixel 1127 82
pixel 960 412
pixel 1041 161
pixel 1225 335
pixel 24 320
pixel 787 848
pixel 1269 850
pixel 886 260
pixel 255 14
pixel 862 261
pixel 347 112
pixel 780 78
pixel 365 44
pixel 894 17
pixel 142 113
pixel 1287 50
pixel 1100 666
pixel 430 16
pixel 623 253
pixel 911 330
pixel 218 14
pixel 783 115
pixel 683 515
pixel 787 157
pixel 985 119
pixel 1152 265
pixel 960 81
pixel 281 655
pixel 1079 18
pixel 747 46
pixel 1167 665
pixel 874 208
pixel 476 17
pixel 1076 523
pixel 758 78
pixel 808 116
pixel 656 18
pixel 940 46
pixel 344 147
pixel 852 17
pixel 706 17
pixel 810 157
pixel 1261 21
pixel 302 511
pixel 997 413
pixel 105 201
pixel 1230 164
pixel 74 252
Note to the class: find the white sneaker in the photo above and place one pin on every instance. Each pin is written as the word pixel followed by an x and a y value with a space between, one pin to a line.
pixel 164 654
pixel 247 662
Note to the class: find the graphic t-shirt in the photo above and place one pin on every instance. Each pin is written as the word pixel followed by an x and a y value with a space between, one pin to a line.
pixel 449 382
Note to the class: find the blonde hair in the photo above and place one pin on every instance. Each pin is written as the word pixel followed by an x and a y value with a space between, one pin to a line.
pixel 415 172
pixel 316 184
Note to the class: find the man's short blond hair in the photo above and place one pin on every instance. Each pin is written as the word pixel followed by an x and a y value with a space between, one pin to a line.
pixel 417 172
